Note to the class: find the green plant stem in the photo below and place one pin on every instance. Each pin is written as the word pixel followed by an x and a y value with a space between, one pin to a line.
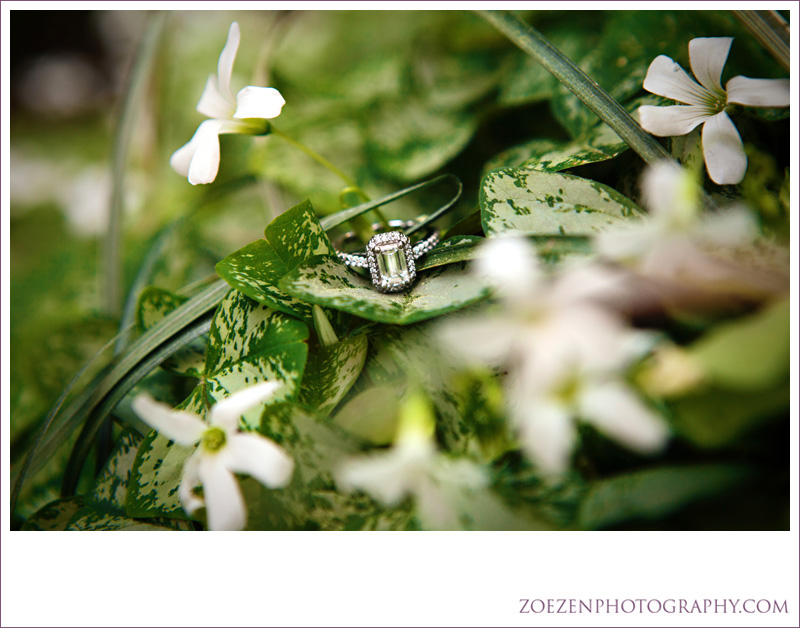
pixel 354 187
pixel 578 82
pixel 771 30
pixel 130 103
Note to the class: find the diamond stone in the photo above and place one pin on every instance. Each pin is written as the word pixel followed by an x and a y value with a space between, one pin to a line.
pixel 391 262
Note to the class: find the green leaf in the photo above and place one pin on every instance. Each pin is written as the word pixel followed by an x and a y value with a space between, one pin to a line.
pixel 410 139
pixel 455 249
pixel 331 372
pixel 55 515
pixel 157 470
pixel 718 417
pixel 544 203
pixel 653 493
pixel 329 283
pixel 291 239
pixel 599 143
pixel 372 414
pixel 251 343
pixel 748 354
pixel 92 519
pixel 154 304
pixel 111 486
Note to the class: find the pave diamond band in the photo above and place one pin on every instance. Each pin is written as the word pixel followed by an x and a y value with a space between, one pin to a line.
pixel 390 257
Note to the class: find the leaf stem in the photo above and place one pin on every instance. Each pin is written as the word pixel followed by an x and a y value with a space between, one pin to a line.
pixel 771 30
pixel 578 82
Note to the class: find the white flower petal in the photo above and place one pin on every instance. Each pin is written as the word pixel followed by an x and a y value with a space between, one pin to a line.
pixel 189 480
pixel 758 92
pixel 181 159
pixel 212 103
pixel 259 457
pixel 666 78
pixel 205 160
pixel 724 154
pixel 225 509
pixel 488 340
pixel 182 427
pixel 670 194
pixel 619 413
pixel 547 433
pixel 226 59
pixel 226 412
pixel 707 56
pixel 671 121
pixel 627 242
pixel 510 264
pixel 391 475
pixel 730 228
pixel 258 102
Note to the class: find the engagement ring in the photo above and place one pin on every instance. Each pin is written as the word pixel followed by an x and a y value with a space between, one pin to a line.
pixel 390 256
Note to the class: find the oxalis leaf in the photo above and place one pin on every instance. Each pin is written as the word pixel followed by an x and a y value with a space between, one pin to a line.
pixel 291 239
pixel 331 372
pixel 544 203
pixel 248 343
pixel 328 282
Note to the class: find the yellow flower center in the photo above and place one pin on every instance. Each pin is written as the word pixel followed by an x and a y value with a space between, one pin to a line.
pixel 213 439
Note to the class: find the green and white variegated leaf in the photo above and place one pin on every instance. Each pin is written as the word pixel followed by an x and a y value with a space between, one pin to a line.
pixel 331 372
pixel 372 414
pixel 154 304
pixel 328 282
pixel 600 143
pixel 111 486
pixel 289 240
pixel 312 499
pixel 417 352
pixel 456 249
pixel 548 203
pixel 251 343
pixel 55 516
pixel 93 519
pixel 653 493
pixel 158 468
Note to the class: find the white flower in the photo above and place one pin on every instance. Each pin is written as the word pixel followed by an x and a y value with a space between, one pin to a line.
pixel 413 467
pixel 706 104
pixel 564 350
pixel 675 241
pixel 222 452
pixel 545 418
pixel 199 159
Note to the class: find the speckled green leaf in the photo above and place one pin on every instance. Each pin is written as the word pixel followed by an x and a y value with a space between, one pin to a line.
pixel 450 251
pixel 92 519
pixel 598 144
pixel 331 372
pixel 372 414
pixel 290 239
pixel 154 304
pixel 328 282
pixel 312 498
pixel 653 493
pixel 251 343
pixel 545 203
pixel 111 486
pixel 55 516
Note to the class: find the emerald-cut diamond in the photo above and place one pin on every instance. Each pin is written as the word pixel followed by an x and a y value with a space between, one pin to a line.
pixel 391 261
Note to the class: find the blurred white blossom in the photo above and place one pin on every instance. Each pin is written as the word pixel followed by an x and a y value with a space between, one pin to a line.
pixel 564 350
pixel 223 451
pixel 198 160
pixel 676 240
pixel 413 467
pixel 707 103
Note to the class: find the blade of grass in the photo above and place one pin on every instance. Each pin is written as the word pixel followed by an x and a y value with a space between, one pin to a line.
pixel 103 407
pixel 578 82
pixel 771 31
pixel 132 98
